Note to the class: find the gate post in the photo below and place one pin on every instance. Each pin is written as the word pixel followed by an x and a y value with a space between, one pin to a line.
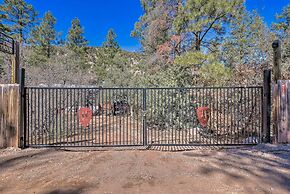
pixel 15 63
pixel 22 110
pixel 144 118
pixel 277 56
pixel 266 106
pixel 277 60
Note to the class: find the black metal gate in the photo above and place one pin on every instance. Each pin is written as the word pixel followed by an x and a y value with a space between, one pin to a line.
pixel 142 116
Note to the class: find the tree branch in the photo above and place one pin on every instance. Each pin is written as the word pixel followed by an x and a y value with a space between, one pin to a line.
pixel 211 26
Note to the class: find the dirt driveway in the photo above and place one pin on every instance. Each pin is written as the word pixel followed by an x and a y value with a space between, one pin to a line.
pixel 261 169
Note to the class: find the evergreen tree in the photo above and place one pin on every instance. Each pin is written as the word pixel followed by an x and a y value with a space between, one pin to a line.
pixel 3 28
pixel 282 31
pixel 44 36
pixel 106 61
pixel 75 36
pixel 199 18
pixel 19 17
pixel 111 46
pixel 282 27
pixel 249 41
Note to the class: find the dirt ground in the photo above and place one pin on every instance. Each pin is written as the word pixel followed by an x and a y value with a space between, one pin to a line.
pixel 259 169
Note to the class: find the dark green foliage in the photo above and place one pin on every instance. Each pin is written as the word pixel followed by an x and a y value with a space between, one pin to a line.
pixel 19 17
pixel 77 42
pixel 75 37
pixel 249 41
pixel 204 17
pixel 282 31
pixel 114 71
pixel 44 36
pixel 3 28
pixel 111 46
pixel 171 109
pixel 109 65
pixel 283 22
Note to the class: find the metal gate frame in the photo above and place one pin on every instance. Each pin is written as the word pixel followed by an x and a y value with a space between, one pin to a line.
pixel 153 132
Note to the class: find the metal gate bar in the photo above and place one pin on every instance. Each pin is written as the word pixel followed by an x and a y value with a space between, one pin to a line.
pixel 143 116
pixel 233 116
pixel 53 117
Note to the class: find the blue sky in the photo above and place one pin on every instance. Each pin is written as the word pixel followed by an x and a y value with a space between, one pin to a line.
pixel 97 16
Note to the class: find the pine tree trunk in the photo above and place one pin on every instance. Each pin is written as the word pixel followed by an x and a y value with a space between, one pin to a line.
pixel 48 51
pixel 197 44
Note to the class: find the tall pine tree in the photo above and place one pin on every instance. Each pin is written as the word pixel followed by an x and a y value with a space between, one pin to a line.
pixel 44 36
pixel 282 26
pixel 19 17
pixel 3 28
pixel 75 36
pixel 248 41
pixel 205 19
pixel 111 46
pixel 282 29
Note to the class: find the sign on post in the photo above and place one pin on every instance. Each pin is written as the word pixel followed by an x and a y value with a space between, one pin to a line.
pixel 6 44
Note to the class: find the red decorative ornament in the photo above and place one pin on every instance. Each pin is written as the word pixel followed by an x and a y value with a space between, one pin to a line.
pixel 203 115
pixel 85 116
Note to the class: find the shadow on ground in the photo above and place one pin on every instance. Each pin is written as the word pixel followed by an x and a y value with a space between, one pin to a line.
pixel 66 191
pixel 268 163
pixel 15 160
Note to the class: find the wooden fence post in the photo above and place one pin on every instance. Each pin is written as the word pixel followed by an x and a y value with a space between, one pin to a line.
pixel 266 107
pixel 9 115
pixel 16 65
pixel 277 59
pixel 277 75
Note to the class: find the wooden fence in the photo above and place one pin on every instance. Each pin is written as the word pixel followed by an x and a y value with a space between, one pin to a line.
pixel 9 115
pixel 282 103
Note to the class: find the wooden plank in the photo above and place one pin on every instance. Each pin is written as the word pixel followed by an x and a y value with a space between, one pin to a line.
pixel 288 111
pixel 279 115
pixel 9 115
pixel 2 120
pixel 278 102
pixel 283 111
pixel 275 113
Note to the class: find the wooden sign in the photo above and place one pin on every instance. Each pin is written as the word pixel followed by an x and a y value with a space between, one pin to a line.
pixel 85 116
pixel 6 44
